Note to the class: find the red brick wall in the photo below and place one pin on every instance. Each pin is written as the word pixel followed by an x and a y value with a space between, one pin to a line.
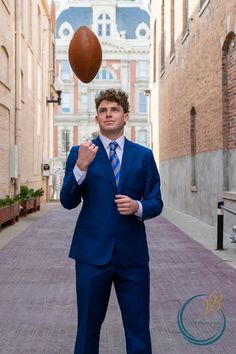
pixel 132 133
pixel 194 79
pixel 75 135
pixel 231 93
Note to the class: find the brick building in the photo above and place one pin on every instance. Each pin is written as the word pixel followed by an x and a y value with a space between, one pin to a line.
pixel 123 31
pixel 193 79
pixel 26 75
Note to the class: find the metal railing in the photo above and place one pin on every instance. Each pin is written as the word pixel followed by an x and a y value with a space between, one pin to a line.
pixel 220 223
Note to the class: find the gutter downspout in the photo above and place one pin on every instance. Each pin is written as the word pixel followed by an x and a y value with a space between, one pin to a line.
pixel 17 125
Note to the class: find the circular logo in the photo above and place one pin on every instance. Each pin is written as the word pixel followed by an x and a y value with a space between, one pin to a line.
pixel 197 325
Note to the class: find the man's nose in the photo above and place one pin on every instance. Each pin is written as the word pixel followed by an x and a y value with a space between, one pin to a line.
pixel 108 112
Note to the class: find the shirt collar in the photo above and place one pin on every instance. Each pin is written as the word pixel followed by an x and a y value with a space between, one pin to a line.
pixel 106 141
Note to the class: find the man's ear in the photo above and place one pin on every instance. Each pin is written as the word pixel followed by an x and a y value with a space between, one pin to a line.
pixel 96 119
pixel 126 117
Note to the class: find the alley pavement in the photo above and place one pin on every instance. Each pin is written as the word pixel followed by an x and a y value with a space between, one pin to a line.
pixel 37 288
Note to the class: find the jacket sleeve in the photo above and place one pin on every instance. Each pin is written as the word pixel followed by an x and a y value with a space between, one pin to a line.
pixel 152 202
pixel 71 192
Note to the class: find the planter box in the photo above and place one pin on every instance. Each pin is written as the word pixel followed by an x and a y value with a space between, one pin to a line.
pixel 27 206
pixel 37 203
pixel 9 214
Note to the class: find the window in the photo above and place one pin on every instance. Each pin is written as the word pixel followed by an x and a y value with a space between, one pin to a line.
pixel 99 30
pixel 108 30
pixel 104 25
pixel 142 137
pixel 104 74
pixel 65 70
pixel 65 137
pixel 142 31
pixel 66 102
pixel 143 70
pixel 229 117
pixel 142 103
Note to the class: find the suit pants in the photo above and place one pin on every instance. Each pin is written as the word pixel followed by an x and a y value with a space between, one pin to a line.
pixel 93 287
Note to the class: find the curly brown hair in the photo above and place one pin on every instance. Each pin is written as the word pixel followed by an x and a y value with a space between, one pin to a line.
pixel 113 95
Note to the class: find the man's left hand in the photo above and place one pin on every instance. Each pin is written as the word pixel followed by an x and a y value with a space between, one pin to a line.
pixel 126 205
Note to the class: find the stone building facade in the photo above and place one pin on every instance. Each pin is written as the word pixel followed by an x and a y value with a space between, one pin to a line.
pixel 122 28
pixel 193 79
pixel 26 75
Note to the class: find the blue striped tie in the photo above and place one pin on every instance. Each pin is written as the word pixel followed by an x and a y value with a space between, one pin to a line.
pixel 115 162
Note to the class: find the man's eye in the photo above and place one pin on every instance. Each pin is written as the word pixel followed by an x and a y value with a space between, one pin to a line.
pixel 114 109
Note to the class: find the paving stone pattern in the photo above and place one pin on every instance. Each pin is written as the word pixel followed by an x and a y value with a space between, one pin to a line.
pixel 37 290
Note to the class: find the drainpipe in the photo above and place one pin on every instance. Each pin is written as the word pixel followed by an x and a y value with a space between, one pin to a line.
pixel 17 130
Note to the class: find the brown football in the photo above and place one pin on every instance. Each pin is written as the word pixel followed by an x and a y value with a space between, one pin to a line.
pixel 85 54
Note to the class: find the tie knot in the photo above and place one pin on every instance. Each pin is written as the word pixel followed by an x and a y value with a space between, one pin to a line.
pixel 113 145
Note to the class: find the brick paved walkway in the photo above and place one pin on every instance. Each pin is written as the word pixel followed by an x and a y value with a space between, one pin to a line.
pixel 37 294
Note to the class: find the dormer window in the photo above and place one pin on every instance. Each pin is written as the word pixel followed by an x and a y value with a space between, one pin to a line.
pixel 104 25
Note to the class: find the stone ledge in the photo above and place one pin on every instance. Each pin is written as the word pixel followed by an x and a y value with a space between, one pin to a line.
pixel 229 195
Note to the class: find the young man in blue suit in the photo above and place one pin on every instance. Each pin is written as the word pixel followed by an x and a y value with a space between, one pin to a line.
pixel 119 184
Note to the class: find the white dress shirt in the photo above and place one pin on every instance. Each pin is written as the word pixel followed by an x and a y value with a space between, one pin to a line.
pixel 81 175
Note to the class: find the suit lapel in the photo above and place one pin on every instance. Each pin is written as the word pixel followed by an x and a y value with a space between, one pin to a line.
pixel 104 161
pixel 126 163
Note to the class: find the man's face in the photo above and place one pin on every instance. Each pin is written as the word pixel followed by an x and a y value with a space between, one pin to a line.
pixel 111 118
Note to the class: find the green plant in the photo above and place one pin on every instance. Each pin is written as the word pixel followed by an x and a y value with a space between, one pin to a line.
pixel 28 193
pixel 7 201
pixel 39 192
pixel 25 193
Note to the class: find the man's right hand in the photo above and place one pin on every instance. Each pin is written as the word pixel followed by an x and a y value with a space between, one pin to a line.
pixel 86 154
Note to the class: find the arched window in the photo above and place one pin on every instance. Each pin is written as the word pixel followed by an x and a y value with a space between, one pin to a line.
pixel 229 106
pixel 104 25
pixel 104 74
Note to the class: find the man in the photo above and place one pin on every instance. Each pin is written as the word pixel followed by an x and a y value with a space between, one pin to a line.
pixel 119 184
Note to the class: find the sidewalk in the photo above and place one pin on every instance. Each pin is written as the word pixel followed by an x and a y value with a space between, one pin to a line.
pixel 37 290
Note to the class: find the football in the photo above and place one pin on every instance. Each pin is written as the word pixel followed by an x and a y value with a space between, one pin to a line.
pixel 85 54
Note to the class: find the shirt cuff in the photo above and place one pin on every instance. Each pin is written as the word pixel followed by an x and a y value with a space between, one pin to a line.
pixel 79 175
pixel 139 213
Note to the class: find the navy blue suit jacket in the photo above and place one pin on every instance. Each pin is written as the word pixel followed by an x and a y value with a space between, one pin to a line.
pixel 100 227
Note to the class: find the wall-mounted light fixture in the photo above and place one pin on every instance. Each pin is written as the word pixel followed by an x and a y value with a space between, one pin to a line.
pixel 58 86
pixel 147 92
